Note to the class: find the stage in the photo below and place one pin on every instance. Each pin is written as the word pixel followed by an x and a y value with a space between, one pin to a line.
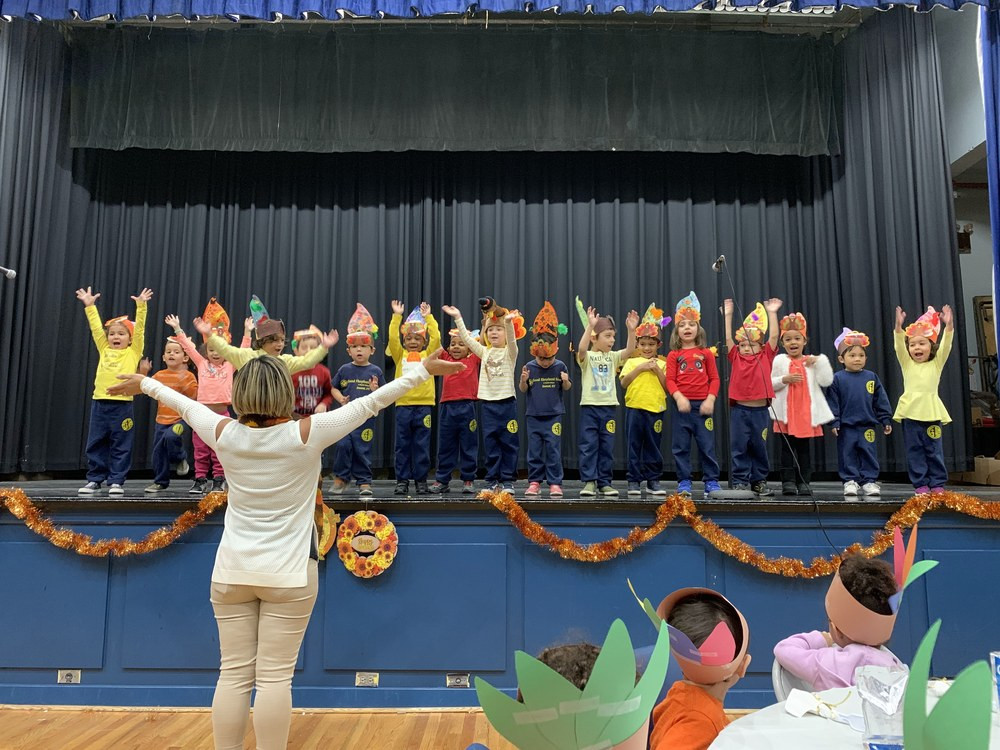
pixel 464 592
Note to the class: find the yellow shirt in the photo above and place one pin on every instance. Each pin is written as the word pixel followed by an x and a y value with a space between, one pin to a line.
pixel 240 357
pixel 115 362
pixel 423 394
pixel 920 398
pixel 646 389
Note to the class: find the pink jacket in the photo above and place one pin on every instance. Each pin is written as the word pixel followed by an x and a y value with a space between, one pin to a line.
pixel 215 382
pixel 807 656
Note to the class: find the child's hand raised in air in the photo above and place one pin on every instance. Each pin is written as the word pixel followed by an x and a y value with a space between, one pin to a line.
pixel 632 320
pixel 173 322
pixel 425 309
pixel 248 326
pixel 512 314
pixel 592 316
pixel 525 374
pixel 397 307
pixel 145 365
pixel 203 327
pixel 144 296
pixel 87 297
pixel 451 310
pixel 329 340
pixel 727 307
pixel 773 305
pixel 947 317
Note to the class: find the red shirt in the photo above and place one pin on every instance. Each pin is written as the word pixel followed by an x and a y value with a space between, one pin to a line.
pixel 312 388
pixel 462 385
pixel 693 373
pixel 750 379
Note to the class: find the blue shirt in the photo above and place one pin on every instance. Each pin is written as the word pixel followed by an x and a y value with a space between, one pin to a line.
pixel 545 389
pixel 354 380
pixel 857 399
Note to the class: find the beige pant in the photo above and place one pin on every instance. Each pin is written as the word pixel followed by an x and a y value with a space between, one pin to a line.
pixel 260 633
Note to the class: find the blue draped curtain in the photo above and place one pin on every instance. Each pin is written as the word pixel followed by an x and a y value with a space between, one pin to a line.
pixel 990 28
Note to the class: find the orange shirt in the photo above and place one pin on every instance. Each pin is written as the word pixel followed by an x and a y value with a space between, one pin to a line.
pixel 687 719
pixel 181 381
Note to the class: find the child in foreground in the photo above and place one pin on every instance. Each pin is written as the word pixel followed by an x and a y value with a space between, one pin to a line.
pixel 458 425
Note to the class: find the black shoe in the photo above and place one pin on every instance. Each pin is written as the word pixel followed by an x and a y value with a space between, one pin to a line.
pixel 761 489
pixel 804 489
pixel 788 488
pixel 219 484
pixel 422 488
pixel 402 488
pixel 199 486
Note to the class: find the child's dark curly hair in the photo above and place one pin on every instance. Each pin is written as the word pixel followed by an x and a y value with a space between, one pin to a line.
pixel 574 661
pixel 869 581
pixel 259 343
pixel 697 615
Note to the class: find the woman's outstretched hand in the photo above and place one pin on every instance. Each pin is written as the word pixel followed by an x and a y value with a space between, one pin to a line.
pixel 437 366
pixel 128 385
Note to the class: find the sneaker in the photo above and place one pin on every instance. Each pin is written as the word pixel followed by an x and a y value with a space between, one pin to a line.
pixel 803 489
pixel 937 490
pixel 440 488
pixel 712 486
pixel 116 489
pixel 183 468
pixel 89 488
pixel 634 489
pixel 684 487
pixel 534 489
pixel 851 488
pixel 365 489
pixel 555 490
pixel 421 487
pixel 339 485
pixel 789 488
pixel 589 489
pixel 761 489
pixel 740 487
pixel 468 488
pixel 154 488
pixel 507 487
pixel 872 489
pixel 199 486
pixel 219 484
pixel 608 491
pixel 921 490
pixel 402 488
pixel 654 488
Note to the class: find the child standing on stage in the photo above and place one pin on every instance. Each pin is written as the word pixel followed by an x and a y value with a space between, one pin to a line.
pixel 168 434
pixel 799 405
pixel 420 337
pixel 599 402
pixel 109 439
pixel 215 389
pixel 750 391
pixel 693 384
pixel 496 388
pixel 920 409
pixel 314 391
pixel 643 378
pixel 860 409
pixel 458 436
pixel 357 378
pixel 544 379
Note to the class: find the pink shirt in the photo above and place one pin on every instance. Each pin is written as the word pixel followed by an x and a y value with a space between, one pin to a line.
pixel 807 656
pixel 215 382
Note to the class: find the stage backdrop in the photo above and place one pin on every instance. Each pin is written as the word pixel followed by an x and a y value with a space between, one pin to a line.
pixel 843 239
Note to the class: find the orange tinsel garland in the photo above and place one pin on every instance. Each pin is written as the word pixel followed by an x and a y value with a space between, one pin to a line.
pixel 83 544
pixel 678 506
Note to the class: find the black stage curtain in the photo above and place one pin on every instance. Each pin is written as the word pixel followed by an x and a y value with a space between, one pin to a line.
pixel 842 239
pixel 335 88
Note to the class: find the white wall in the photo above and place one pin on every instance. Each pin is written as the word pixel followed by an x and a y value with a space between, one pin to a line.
pixel 961 93
pixel 972 206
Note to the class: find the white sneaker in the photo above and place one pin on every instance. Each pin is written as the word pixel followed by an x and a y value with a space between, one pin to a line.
pixel 872 489
pixel 116 489
pixel 851 488
pixel 89 488
pixel 183 468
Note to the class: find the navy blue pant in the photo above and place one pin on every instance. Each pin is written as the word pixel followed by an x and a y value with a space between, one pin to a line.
pixel 748 443
pixel 352 458
pixel 109 441
pixel 857 456
pixel 458 440
pixel 689 427
pixel 924 453
pixel 168 448
pixel 545 449
pixel 597 443
pixel 643 430
pixel 413 443
pixel 500 439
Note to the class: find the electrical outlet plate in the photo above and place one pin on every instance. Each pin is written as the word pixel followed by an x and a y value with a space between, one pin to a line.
pixel 457 680
pixel 68 676
pixel 366 679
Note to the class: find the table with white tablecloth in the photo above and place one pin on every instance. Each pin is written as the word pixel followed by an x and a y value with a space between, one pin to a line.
pixel 772 728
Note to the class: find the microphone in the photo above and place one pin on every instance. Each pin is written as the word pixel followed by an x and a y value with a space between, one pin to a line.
pixel 719 263
pixel 8 272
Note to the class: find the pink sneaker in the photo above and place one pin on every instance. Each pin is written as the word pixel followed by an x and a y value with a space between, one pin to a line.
pixel 922 490
pixel 534 489
pixel 937 490
pixel 555 490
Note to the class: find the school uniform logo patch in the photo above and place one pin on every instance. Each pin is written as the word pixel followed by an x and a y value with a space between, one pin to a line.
pixel 763 434
pixel 127 424
pixel 658 426
pixel 870 436
pixel 178 429
pixel 473 425
pixel 870 386
pixel 427 421
pixel 709 424
pixel 367 434
pixel 610 426
pixel 512 427
pixel 557 429
pixel 934 432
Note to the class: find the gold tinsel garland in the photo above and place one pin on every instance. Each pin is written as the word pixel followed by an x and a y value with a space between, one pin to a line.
pixel 673 507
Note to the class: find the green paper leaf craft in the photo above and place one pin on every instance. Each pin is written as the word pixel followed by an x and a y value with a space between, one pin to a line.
pixel 555 715
pixel 647 606
pixel 582 312
pixel 961 719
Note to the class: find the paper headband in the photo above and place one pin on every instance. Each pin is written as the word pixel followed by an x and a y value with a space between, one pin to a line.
pixel 545 332
pixel 414 323
pixel 853 618
pixel 263 325
pixel 849 338
pixel 653 321
pixel 794 322
pixel 311 331
pixel 612 711
pixel 688 308
pixel 217 317
pixel 361 328
pixel 927 325
pixel 123 320
pixel 493 315
pixel 754 325
pixel 717 658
